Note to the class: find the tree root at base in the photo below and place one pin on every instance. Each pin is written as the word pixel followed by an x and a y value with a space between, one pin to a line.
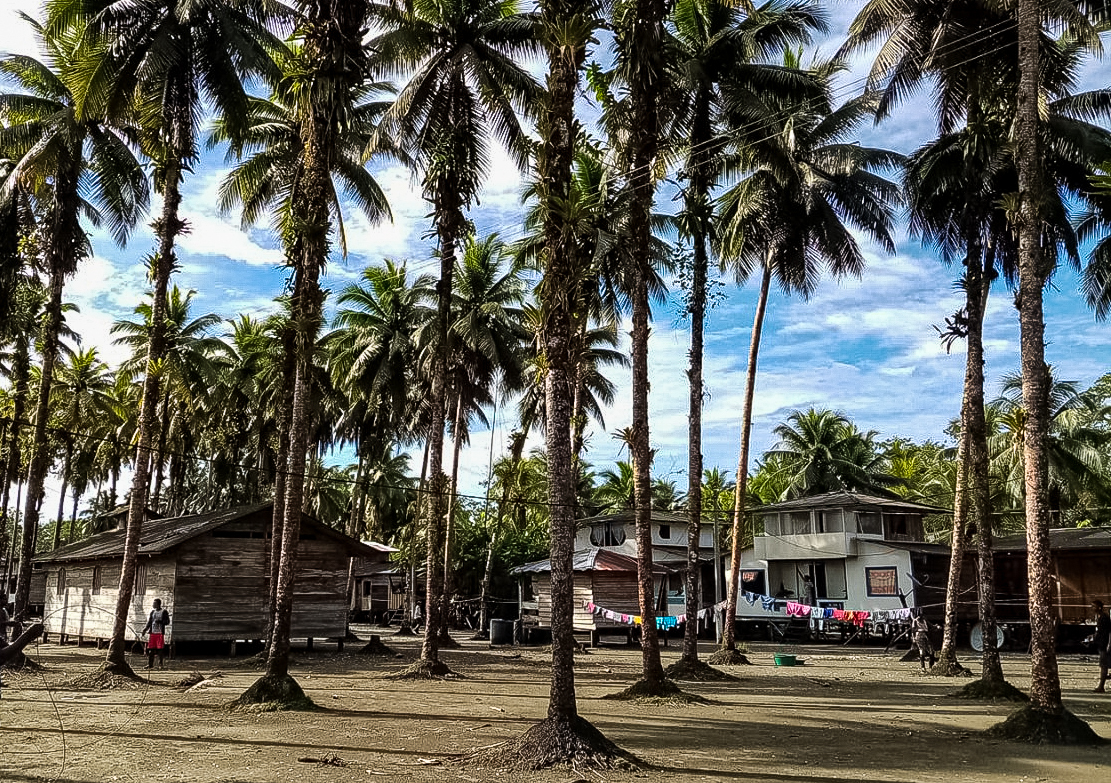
pixel 404 631
pixel 447 643
pixel 729 657
pixel 572 742
pixel 274 694
pixel 376 647
pixel 949 666
pixel 110 676
pixel 425 670
pixel 663 692
pixel 1040 727
pixel 991 690
pixel 697 670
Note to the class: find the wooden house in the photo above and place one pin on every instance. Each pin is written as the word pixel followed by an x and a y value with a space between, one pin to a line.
pixel 211 572
pixel 617 533
pixel 844 550
pixel 380 585
pixel 602 577
pixel 1081 569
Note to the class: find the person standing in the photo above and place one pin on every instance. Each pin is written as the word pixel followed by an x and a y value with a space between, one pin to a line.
pixel 156 625
pixel 920 628
pixel 1103 642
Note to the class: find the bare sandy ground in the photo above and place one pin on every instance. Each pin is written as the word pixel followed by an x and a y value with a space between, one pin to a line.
pixel 848 714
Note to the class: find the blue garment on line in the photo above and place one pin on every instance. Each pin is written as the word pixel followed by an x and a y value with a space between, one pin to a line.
pixel 750 597
pixel 768 602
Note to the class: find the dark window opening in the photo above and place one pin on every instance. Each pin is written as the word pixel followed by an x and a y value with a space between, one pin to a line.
pixel 665 532
pixel 60 585
pixel 754 581
pixel 96 580
pixel 607 535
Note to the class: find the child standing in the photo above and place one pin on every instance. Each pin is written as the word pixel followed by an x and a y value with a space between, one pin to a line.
pixel 156 626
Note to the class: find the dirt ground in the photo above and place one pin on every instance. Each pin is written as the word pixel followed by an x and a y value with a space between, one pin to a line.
pixel 848 714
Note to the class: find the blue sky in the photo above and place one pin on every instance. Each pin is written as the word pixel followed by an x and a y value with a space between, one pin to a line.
pixel 864 347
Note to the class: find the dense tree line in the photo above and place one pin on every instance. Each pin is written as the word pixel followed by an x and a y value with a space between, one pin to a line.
pixel 773 186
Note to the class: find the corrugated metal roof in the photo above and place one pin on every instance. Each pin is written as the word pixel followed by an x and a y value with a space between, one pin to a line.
pixel 590 560
pixel 629 516
pixel 1060 538
pixel 159 535
pixel 841 499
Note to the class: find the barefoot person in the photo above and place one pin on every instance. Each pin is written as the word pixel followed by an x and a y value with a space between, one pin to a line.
pixel 156 626
pixel 1103 642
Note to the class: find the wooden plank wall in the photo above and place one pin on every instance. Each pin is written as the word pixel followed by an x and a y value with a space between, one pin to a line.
pixel 79 613
pixel 1081 578
pixel 616 591
pixel 222 584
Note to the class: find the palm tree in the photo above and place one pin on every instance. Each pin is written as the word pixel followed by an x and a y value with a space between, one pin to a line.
pixel 85 381
pixel 60 156
pixel 487 352
pixel 188 368
pixel 464 90
pixel 566 28
pixel 713 46
pixel 802 189
pixel 166 61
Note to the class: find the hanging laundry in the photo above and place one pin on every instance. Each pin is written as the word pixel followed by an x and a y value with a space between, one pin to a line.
pixel 817 613
pixel 839 615
pixel 750 597
pixel 666 623
pixel 827 613
pixel 795 609
pixel 768 602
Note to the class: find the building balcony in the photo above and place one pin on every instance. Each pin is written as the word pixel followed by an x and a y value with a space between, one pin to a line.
pixel 805 546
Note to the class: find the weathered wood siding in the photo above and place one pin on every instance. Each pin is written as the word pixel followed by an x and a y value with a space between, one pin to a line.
pixel 81 612
pixel 320 592
pixel 612 590
pixel 222 583
pixel 616 591
pixel 1082 577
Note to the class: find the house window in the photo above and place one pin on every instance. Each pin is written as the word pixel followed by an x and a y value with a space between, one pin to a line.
pixel 665 532
pixel 882 581
pixel 869 523
pixel 753 580
pixel 60 585
pixel 607 535
pixel 140 580
pixel 366 588
pixel 96 580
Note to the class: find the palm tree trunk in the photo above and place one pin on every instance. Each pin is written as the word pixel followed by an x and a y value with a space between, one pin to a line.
pixel 558 132
pixel 160 460
pixel 449 529
pixel 169 226
pixel 353 520
pixel 450 220
pixel 728 629
pixel 979 490
pixel 1033 269
pixel 40 457
pixel 947 655
pixel 61 508
pixel 277 520
pixel 71 534
pixel 697 309
pixel 697 213
pixel 644 50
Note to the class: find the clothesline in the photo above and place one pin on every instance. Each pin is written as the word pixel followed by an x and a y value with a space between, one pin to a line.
pixel 663 622
pixel 856 617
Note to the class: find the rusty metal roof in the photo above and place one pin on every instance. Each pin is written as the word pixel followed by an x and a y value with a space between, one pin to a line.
pixel 593 559
pixel 160 535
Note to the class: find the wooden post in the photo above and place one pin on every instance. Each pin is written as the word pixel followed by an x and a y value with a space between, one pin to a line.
pixel 309 645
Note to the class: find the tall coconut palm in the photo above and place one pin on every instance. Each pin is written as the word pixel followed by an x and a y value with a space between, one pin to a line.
pixel 168 61
pixel 487 356
pixel 465 90
pixel 62 158
pixel 188 368
pixel 565 29
pixel 84 382
pixel 714 44
pixel 803 186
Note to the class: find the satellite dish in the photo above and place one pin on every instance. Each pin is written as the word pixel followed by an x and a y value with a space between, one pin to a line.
pixel 978 637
